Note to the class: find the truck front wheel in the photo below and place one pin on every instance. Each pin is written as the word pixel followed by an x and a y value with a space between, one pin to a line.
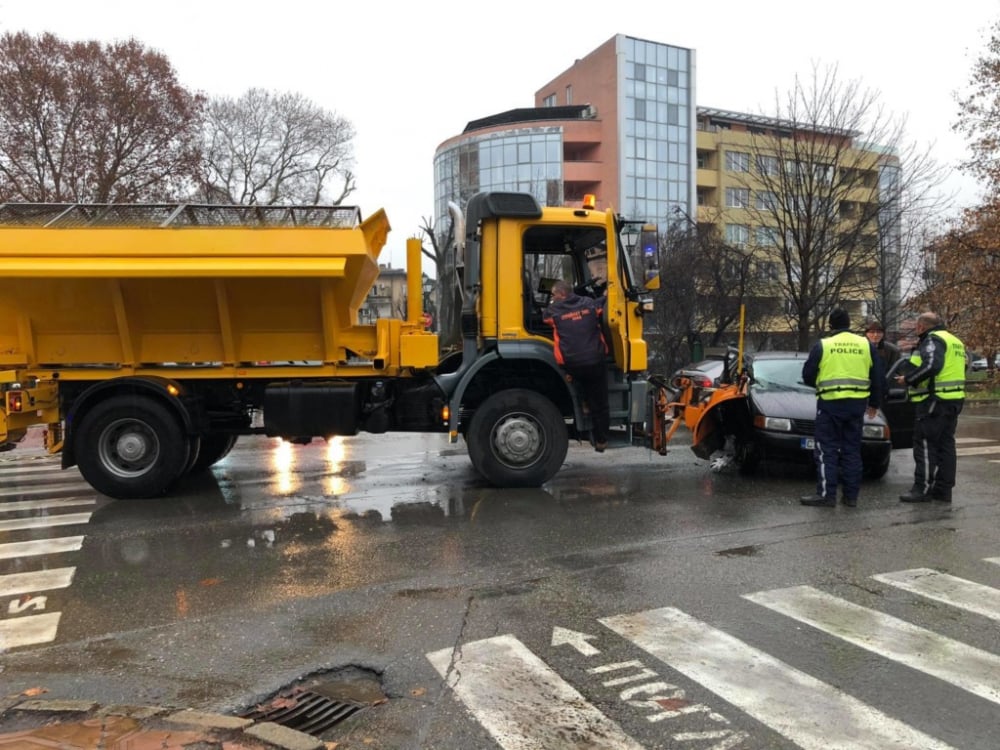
pixel 517 438
pixel 130 447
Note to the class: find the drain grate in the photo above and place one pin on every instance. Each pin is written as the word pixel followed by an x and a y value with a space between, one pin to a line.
pixel 305 711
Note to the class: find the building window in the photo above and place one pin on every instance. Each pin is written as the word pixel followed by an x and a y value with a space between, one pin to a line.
pixel 640 109
pixel 737 197
pixel 549 101
pixel 640 72
pixel 569 95
pixel 767 165
pixel 767 270
pixel 765 200
pixel 737 235
pixel 766 237
pixel 737 161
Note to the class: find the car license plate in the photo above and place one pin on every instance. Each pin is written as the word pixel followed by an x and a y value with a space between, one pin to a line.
pixel 808 443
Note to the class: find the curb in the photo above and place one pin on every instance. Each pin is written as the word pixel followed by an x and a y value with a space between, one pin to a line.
pixel 228 727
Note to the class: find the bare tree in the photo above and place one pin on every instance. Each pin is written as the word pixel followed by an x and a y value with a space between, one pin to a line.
pixel 268 148
pixel 85 122
pixel 449 307
pixel 704 283
pixel 830 208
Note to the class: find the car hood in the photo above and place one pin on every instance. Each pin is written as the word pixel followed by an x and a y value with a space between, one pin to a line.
pixel 784 403
pixel 792 404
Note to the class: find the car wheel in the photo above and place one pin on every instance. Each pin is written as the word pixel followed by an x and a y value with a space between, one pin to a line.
pixel 747 457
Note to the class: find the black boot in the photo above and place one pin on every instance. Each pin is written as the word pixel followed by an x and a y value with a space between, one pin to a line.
pixel 818 501
pixel 941 495
pixel 915 495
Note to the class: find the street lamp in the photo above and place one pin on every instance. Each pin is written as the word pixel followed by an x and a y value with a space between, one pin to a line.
pixel 630 235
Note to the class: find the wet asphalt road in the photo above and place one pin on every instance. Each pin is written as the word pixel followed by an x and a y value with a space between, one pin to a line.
pixel 355 560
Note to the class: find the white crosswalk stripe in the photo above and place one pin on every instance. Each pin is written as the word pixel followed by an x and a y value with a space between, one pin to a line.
pixel 941 587
pixel 45 490
pixel 27 631
pixel 10 550
pixel 522 702
pixel 39 580
pixel 969 668
pixel 62 502
pixel 771 691
pixel 983 450
pixel 44 522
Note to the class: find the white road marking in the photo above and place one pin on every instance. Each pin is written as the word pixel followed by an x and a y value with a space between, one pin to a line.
pixel 521 701
pixel 42 522
pixel 774 693
pixel 941 587
pixel 964 666
pixel 40 547
pixel 960 440
pixel 985 450
pixel 25 631
pixel 49 468
pixel 48 489
pixel 62 502
pixel 39 580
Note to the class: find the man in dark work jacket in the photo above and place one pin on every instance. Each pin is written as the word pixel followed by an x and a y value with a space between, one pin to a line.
pixel 580 348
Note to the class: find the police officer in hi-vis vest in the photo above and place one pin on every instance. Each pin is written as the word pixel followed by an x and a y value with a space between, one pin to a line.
pixel 847 373
pixel 937 387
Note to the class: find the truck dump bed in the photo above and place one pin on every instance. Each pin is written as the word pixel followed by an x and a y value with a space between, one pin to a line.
pixel 138 286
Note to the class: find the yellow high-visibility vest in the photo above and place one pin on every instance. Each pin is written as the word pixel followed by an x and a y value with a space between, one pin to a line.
pixel 844 367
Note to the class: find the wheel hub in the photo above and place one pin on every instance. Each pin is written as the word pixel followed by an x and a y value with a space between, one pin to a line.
pixel 131 446
pixel 517 441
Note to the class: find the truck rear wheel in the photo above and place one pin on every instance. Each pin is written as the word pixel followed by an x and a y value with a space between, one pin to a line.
pixel 214 447
pixel 517 438
pixel 131 447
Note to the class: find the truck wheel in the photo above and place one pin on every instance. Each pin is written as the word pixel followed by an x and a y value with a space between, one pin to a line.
pixel 214 447
pixel 130 447
pixel 517 438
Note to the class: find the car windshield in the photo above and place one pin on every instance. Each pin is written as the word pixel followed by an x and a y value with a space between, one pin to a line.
pixel 779 375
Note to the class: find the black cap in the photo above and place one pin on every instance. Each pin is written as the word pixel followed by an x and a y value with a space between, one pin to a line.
pixel 839 319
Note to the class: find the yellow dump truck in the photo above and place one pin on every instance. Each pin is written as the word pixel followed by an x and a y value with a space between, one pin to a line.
pixel 148 338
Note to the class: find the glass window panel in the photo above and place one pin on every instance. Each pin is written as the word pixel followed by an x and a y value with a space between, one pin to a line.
pixel 538 151
pixel 672 57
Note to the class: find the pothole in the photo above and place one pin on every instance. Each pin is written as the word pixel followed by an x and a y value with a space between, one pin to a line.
pixel 319 703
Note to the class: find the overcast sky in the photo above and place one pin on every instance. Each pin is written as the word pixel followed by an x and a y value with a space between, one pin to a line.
pixel 411 75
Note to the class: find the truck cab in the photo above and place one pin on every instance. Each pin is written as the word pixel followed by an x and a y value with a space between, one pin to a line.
pixel 510 399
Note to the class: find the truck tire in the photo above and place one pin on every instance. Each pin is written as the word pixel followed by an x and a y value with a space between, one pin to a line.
pixel 517 438
pixel 214 447
pixel 131 447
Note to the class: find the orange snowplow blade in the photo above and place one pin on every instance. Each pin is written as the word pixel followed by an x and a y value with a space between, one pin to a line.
pixel 704 411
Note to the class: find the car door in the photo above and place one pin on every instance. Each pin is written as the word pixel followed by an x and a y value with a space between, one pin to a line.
pixel 896 405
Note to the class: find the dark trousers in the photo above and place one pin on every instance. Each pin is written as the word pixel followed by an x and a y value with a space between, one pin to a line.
pixel 838 446
pixel 593 384
pixel 934 458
